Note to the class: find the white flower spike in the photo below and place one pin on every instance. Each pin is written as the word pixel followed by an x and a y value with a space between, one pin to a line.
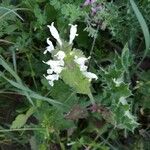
pixel 58 63
pixel 73 33
pixel 49 48
pixel 55 33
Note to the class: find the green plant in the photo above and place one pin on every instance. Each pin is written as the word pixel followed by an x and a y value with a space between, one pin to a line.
pixel 66 108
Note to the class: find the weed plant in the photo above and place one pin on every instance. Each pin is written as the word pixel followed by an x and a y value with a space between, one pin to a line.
pixel 97 95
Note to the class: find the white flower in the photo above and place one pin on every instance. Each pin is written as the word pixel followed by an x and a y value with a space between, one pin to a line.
pixel 49 71
pixel 49 48
pixel 83 68
pixel 90 75
pixel 52 78
pixel 81 62
pixel 73 31
pixel 56 66
pixel 55 33
pixel 54 63
pixel 58 69
pixel 60 55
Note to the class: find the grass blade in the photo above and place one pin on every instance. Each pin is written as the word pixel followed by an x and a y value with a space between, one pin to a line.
pixel 144 27
pixel 51 101
pixel 9 69
pixel 10 11
pixel 20 87
pixel 14 60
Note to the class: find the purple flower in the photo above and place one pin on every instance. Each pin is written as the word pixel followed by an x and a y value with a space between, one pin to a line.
pixel 96 8
pixel 89 2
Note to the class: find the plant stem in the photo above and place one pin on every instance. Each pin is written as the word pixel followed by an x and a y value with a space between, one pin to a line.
pixel 91 98
pixel 32 71
pixel 21 129
pixel 93 44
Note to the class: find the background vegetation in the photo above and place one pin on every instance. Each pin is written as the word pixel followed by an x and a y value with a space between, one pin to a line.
pixel 34 115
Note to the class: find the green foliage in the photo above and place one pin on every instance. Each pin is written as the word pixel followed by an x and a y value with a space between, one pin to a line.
pixel 72 12
pixel 116 92
pixel 62 117
pixel 143 91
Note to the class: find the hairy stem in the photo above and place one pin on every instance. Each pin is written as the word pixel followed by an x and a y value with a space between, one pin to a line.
pixel 91 98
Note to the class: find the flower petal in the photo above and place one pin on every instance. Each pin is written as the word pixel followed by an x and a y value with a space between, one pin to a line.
pixel 90 75
pixel 73 31
pixel 52 77
pixel 55 33
pixel 54 63
pixel 49 48
pixel 58 70
pixel 83 68
pixel 51 83
pixel 89 2
pixel 60 55
pixel 49 71
pixel 80 60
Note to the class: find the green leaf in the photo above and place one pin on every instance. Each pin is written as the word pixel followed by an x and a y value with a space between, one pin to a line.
pixel 76 80
pixel 11 28
pixel 21 119
pixel 9 11
pixel 116 91
pixel 63 93
pixel 125 58
pixel 71 12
